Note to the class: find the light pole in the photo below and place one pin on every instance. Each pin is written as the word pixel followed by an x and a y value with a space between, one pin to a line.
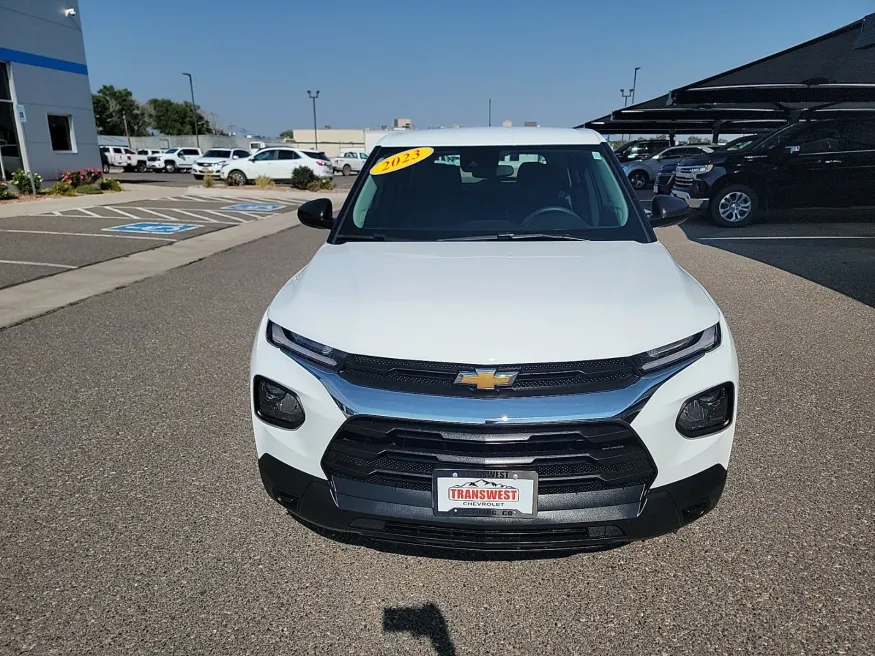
pixel 626 95
pixel 635 82
pixel 315 133
pixel 490 112
pixel 197 135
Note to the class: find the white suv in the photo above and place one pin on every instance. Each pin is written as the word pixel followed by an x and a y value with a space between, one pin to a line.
pixel 214 159
pixel 173 160
pixel 494 358
pixel 277 164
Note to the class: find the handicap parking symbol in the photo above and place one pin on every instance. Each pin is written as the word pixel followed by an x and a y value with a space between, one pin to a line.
pixel 154 228
pixel 253 207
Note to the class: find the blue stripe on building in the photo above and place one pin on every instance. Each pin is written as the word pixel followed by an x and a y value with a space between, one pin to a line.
pixel 19 57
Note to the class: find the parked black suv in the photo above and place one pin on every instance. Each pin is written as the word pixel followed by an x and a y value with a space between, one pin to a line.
pixel 804 165
pixel 640 149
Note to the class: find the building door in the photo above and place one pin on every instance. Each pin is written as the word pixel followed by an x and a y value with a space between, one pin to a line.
pixel 10 152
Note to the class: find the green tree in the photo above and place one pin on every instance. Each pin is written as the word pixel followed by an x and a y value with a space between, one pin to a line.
pixel 112 106
pixel 287 134
pixel 698 140
pixel 173 118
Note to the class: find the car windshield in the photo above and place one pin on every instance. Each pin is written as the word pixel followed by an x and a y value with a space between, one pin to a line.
pixel 171 150
pixel 492 192
pixel 218 153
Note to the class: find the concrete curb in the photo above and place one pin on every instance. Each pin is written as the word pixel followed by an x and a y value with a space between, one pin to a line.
pixel 141 192
pixel 32 299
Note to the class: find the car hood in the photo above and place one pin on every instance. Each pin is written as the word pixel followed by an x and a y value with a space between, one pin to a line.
pixel 501 302
pixel 211 160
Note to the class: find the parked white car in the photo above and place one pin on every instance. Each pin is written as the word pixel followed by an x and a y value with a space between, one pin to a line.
pixel 143 157
pixel 598 407
pixel 173 160
pixel 214 159
pixel 277 164
pixel 349 162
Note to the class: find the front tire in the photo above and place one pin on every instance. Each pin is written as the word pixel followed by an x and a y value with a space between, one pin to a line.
pixel 237 178
pixel 734 206
pixel 347 169
pixel 106 169
pixel 169 167
pixel 141 167
pixel 638 179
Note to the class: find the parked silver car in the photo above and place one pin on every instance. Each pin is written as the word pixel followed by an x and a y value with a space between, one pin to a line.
pixel 644 171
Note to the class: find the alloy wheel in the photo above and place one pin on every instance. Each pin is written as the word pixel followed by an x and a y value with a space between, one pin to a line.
pixel 735 206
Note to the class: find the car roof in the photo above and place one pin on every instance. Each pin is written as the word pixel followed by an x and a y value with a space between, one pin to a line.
pixel 498 136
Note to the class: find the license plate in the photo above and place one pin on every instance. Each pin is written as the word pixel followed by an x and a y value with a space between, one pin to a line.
pixel 485 493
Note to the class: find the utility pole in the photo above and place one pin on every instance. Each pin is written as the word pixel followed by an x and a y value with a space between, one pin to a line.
pixel 490 112
pixel 127 136
pixel 626 95
pixel 315 132
pixel 635 82
pixel 197 135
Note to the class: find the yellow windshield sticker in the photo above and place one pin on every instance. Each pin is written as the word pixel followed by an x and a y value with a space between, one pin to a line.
pixel 401 161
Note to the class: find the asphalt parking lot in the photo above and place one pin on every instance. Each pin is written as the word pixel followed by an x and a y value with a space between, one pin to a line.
pixel 35 246
pixel 187 179
pixel 134 520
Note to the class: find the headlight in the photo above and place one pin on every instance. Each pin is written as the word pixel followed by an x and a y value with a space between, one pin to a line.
pixel 707 413
pixel 276 405
pixel 218 165
pixel 699 170
pixel 319 354
pixel 680 350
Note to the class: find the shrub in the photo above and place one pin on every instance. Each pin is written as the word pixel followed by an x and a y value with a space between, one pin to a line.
pixel 208 181
pixel 91 176
pixel 321 184
pixel 264 182
pixel 108 184
pixel 62 188
pixel 5 194
pixel 71 177
pixel 302 177
pixel 88 189
pixel 21 180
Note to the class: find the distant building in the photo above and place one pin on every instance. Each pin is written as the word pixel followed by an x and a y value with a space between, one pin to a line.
pixel 506 124
pixel 402 124
pixel 531 124
pixel 331 141
pixel 46 115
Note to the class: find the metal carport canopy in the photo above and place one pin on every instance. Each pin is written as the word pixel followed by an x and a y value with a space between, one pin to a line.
pixel 828 77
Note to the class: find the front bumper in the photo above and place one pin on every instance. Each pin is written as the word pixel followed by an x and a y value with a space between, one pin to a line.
pixel 688 480
pixel 400 517
pixel 204 170
pixel 694 203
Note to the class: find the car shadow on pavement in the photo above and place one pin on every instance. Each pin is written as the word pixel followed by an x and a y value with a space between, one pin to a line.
pixel 425 621
pixel 838 254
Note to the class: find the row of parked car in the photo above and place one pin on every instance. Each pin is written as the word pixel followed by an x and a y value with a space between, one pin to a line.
pixel 810 164
pixel 238 166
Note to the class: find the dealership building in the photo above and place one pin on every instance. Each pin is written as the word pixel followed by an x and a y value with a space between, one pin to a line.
pixel 46 116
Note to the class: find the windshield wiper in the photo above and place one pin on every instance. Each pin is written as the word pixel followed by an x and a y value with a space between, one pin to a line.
pixel 513 236
pixel 374 237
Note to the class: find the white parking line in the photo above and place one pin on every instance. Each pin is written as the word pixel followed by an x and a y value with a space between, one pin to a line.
pixel 159 214
pixel 45 264
pixel 82 234
pixel 196 216
pixel 227 216
pixel 88 212
pixel 122 212
pixel 255 215
pixel 789 237
pixel 196 199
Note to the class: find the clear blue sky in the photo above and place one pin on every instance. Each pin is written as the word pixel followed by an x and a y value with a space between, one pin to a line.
pixel 559 62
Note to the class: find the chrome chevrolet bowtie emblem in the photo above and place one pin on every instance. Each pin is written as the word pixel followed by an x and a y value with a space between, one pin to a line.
pixel 486 379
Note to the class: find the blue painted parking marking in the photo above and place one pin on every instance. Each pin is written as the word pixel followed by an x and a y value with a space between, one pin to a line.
pixel 253 207
pixel 154 228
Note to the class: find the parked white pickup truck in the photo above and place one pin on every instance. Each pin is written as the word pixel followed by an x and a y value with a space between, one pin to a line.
pixel 173 160
pixel 350 161
pixel 120 156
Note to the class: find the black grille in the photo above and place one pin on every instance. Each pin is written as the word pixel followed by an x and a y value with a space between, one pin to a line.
pixel 683 179
pixel 665 175
pixel 539 379
pixel 582 457
pixel 503 538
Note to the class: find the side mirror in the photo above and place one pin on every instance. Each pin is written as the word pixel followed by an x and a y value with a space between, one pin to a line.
pixel 317 213
pixel 668 210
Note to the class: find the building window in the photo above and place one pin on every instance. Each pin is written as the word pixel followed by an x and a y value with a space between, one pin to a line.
pixel 61 132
